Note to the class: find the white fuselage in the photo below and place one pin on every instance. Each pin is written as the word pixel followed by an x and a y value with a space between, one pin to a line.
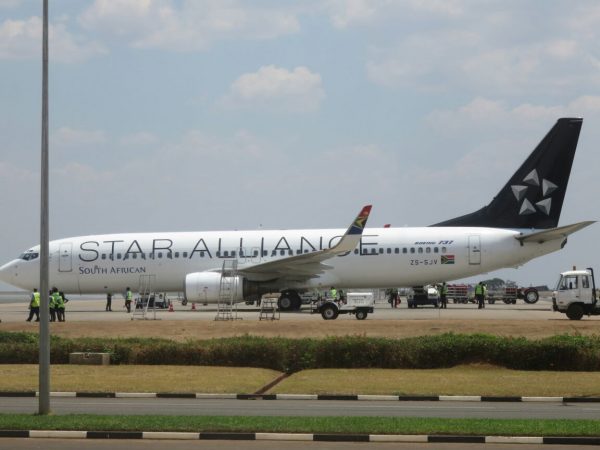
pixel 385 257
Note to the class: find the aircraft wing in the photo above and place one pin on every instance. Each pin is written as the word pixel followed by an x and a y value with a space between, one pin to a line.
pixel 310 265
pixel 553 233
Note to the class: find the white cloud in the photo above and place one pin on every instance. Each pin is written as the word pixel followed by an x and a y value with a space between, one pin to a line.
pixel 22 39
pixel 191 26
pixel 276 88
pixel 70 137
pixel 349 13
pixel 141 139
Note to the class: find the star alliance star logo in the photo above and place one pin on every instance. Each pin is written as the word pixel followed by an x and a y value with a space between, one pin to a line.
pixel 520 190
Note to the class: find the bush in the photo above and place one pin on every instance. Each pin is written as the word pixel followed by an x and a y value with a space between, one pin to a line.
pixel 563 352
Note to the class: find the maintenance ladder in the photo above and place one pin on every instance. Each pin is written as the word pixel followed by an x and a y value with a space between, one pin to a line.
pixel 269 309
pixel 226 307
pixel 146 293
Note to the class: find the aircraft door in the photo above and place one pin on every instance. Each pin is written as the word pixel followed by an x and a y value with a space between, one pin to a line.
pixel 474 249
pixel 65 261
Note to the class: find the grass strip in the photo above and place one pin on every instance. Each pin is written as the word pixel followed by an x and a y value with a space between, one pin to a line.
pixel 237 380
pixel 354 425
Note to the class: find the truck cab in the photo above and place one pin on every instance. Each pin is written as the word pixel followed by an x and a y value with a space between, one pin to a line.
pixel 575 294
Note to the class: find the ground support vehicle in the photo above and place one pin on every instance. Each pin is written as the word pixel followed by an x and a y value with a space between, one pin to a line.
pixel 576 294
pixel 161 302
pixel 510 294
pixel 358 303
pixel 458 293
pixel 423 295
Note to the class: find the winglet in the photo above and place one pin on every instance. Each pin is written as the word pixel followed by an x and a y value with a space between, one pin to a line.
pixel 359 223
pixel 352 236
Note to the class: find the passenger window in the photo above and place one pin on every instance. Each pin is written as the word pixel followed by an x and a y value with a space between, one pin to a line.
pixel 428 250
pixel 255 254
pixel 160 255
pixel 396 250
pixel 389 251
pixel 435 249
pixel 134 255
pixel 118 256
pixel 176 254
pixel 420 250
pixel 356 251
pixel 103 255
pixel 404 250
pixel 381 251
pixel 443 249
pixel 412 249
pixel 184 254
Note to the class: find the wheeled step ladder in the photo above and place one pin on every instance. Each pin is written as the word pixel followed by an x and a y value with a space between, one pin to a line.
pixel 226 307
pixel 269 309
pixel 141 306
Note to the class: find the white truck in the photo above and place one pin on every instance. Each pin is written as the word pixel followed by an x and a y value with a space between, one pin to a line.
pixel 576 295
pixel 423 295
pixel 358 303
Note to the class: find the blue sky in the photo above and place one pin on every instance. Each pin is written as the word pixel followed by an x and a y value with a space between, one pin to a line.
pixel 203 115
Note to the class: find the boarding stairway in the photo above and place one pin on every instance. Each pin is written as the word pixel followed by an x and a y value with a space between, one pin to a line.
pixel 146 296
pixel 226 306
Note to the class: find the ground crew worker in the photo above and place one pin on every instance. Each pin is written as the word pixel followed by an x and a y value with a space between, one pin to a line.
pixel 34 306
pixel 54 304
pixel 479 292
pixel 52 307
pixel 444 295
pixel 61 306
pixel 128 298
pixel 333 293
pixel 484 293
pixel 109 302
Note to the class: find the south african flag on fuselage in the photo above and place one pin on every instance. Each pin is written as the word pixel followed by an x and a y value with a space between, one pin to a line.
pixel 447 259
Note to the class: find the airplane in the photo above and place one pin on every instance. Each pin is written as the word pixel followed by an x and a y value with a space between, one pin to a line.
pixel 519 224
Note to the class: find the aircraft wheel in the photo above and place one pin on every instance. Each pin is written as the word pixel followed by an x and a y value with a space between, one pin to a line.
pixel 285 303
pixel 361 315
pixel 329 312
pixel 531 296
pixel 574 311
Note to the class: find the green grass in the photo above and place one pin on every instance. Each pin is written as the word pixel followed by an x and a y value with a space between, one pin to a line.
pixel 354 425
pixel 75 378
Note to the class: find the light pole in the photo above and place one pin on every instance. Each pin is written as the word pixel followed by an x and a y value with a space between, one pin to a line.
pixel 44 337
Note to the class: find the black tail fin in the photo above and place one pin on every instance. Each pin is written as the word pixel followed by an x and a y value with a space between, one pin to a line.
pixel 533 197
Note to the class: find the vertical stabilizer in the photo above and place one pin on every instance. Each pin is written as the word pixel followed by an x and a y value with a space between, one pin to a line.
pixel 534 195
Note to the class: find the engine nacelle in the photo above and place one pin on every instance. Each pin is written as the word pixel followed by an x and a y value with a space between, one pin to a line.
pixel 204 287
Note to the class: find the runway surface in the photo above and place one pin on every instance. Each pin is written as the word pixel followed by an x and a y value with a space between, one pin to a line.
pixel 308 408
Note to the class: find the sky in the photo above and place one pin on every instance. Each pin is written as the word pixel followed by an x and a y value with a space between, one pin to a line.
pixel 170 115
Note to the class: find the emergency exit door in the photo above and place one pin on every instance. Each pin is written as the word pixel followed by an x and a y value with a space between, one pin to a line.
pixel 65 261
pixel 474 249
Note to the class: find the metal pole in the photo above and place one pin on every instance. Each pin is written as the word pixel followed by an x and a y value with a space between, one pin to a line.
pixel 44 364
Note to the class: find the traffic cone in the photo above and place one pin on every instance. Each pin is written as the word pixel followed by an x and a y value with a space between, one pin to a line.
pixel 193 307
pixel 171 307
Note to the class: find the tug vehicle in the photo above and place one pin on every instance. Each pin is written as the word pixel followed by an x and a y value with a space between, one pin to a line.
pixel 575 294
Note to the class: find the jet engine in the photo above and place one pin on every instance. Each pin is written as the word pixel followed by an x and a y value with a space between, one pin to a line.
pixel 204 287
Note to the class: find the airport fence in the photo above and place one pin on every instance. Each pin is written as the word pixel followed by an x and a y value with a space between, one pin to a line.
pixel 563 352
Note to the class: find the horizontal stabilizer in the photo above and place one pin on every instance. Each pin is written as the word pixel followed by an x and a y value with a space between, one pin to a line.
pixel 554 233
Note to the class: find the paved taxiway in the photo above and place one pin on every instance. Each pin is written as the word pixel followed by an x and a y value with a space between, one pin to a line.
pixel 93 309
pixel 307 408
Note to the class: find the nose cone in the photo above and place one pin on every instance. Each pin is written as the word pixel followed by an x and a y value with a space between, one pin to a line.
pixel 6 273
pixel 9 273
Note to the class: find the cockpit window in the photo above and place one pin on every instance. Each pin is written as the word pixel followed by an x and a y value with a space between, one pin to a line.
pixel 28 256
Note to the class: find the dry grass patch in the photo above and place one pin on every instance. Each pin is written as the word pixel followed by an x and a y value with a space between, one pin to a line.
pixel 462 380
pixel 69 378
pixel 288 326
